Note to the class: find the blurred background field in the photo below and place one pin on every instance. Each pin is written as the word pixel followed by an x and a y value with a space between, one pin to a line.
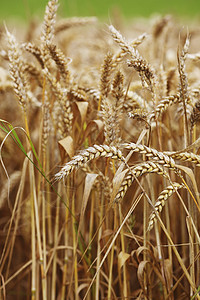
pixel 25 9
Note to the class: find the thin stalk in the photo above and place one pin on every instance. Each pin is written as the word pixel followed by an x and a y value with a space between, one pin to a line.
pixel 37 222
pixel 27 128
pixel 44 278
pixel 112 258
pixel 48 201
pixel 169 250
pixel 191 251
pixel 74 249
pixel 194 138
pixel 99 247
pixel 33 248
pixel 91 227
pixel 145 244
pixel 125 289
pixel 66 235
pixel 56 230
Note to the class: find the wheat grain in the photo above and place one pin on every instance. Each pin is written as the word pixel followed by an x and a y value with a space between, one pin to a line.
pixel 195 57
pixel 77 94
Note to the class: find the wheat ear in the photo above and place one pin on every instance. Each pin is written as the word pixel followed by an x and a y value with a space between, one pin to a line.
pixel 144 168
pixel 106 71
pixel 160 202
pixel 17 70
pixel 184 95
pixel 61 60
pixel 185 156
pixel 87 155
pixel 162 106
pixel 195 115
pixel 139 63
pixel 117 88
pixel 66 116
pixel 46 121
pixel 160 158
pixel 35 51
pixel 49 21
pixel 136 42
pixel 33 71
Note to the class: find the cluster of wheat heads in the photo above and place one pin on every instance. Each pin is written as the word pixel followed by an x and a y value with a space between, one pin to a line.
pixel 99 160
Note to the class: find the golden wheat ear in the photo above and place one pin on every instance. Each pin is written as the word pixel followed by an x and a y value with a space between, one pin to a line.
pixel 49 21
pixel 87 155
pixel 135 172
pixel 160 202
pixel 61 61
pixel 17 73
pixel 145 70
pixel 152 153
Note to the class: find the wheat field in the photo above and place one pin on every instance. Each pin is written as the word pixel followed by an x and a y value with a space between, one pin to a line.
pixel 99 142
